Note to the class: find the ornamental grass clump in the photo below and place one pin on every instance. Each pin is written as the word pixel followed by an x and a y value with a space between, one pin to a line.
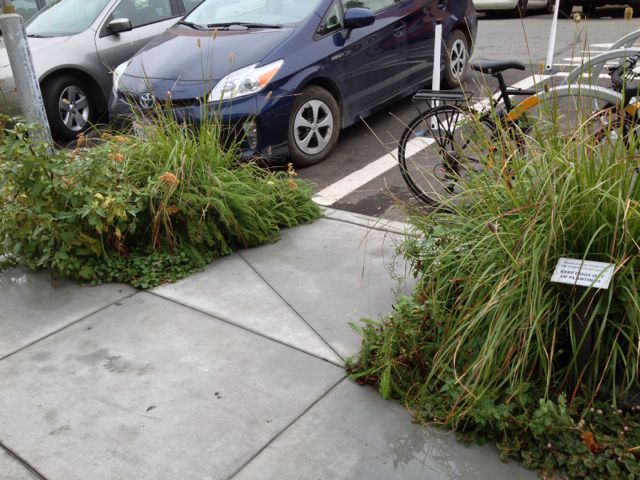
pixel 142 209
pixel 489 346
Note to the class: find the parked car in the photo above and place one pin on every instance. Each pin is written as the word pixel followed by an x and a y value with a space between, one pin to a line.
pixel 289 74
pixel 589 6
pixel 515 8
pixel 76 44
pixel 27 8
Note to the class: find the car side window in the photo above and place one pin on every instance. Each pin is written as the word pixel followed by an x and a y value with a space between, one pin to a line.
pixel 331 22
pixel 375 5
pixel 190 4
pixel 26 8
pixel 143 12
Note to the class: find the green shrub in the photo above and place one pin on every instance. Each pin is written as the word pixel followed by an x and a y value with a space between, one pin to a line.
pixel 139 209
pixel 488 345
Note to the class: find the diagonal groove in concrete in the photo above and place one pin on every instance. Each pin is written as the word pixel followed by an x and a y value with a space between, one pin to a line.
pixel 71 324
pixel 22 462
pixel 287 427
pixel 291 307
pixel 246 329
pixel 365 221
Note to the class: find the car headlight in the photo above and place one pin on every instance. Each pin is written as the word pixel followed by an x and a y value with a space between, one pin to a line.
pixel 246 81
pixel 117 75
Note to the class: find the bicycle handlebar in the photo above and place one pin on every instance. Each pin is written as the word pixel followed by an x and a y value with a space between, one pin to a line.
pixel 620 72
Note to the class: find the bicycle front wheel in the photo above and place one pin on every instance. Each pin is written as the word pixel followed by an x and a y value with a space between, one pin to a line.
pixel 441 148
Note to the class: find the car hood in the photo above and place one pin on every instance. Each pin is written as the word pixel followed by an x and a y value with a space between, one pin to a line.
pixel 40 48
pixel 182 54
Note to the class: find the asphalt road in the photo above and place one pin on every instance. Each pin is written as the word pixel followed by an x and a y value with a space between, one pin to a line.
pixel 355 179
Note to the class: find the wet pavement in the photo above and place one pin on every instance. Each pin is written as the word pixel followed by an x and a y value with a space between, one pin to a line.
pixel 234 372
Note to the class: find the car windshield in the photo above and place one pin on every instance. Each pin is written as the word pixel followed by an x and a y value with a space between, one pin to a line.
pixel 65 17
pixel 251 13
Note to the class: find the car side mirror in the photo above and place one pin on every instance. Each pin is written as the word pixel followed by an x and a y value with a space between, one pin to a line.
pixel 358 18
pixel 118 25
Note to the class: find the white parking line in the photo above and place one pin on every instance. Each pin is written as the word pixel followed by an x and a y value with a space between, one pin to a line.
pixel 566 74
pixel 343 187
pixel 350 183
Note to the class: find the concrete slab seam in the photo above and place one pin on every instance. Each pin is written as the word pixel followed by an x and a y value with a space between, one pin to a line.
pixel 71 324
pixel 243 327
pixel 292 309
pixel 371 223
pixel 287 427
pixel 22 462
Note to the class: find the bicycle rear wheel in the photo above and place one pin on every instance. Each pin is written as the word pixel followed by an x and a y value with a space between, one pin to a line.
pixel 441 148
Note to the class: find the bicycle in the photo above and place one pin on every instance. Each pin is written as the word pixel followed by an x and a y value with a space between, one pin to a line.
pixel 443 144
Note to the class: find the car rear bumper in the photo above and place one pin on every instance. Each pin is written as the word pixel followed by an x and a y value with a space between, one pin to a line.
pixel 9 102
pixel 482 5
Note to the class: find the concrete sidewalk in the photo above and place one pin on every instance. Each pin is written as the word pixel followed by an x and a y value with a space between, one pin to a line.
pixel 234 372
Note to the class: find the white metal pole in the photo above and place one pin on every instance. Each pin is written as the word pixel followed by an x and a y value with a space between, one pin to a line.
pixel 437 54
pixel 24 75
pixel 552 37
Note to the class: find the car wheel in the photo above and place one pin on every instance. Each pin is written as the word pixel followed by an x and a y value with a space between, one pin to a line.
pixel 520 10
pixel 588 9
pixel 551 4
pixel 566 6
pixel 314 126
pixel 456 59
pixel 69 106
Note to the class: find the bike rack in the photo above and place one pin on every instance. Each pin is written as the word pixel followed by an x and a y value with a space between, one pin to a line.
pixel 595 65
pixel 626 41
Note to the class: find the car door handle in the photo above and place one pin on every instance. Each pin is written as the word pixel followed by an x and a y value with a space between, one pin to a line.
pixel 399 28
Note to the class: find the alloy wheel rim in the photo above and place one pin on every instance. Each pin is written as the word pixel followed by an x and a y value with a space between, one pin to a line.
pixel 313 127
pixel 74 109
pixel 458 58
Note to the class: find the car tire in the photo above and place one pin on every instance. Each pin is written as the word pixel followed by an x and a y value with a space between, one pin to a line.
pixel 588 9
pixel 566 7
pixel 69 106
pixel 551 4
pixel 456 59
pixel 520 10
pixel 314 126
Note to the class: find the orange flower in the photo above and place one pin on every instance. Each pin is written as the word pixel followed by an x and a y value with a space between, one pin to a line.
pixel 172 210
pixel 117 157
pixel 291 173
pixel 590 441
pixel 120 139
pixel 170 179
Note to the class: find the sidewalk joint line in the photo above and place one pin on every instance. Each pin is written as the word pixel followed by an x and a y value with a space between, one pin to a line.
pixel 279 434
pixel 246 329
pixel 368 227
pixel 75 322
pixel 291 307
pixel 22 461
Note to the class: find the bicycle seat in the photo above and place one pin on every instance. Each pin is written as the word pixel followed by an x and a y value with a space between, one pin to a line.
pixel 495 66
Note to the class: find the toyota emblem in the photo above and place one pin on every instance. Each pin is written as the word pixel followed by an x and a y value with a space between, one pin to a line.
pixel 147 100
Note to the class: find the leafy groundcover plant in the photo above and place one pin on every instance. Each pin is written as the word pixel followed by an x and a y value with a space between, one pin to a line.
pixel 489 347
pixel 142 209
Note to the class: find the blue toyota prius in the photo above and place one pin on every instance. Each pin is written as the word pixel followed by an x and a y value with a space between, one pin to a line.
pixel 289 74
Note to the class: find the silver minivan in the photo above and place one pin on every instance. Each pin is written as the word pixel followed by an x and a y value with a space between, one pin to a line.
pixel 76 45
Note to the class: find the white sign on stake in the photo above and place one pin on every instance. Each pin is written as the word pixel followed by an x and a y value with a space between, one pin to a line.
pixel 583 273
